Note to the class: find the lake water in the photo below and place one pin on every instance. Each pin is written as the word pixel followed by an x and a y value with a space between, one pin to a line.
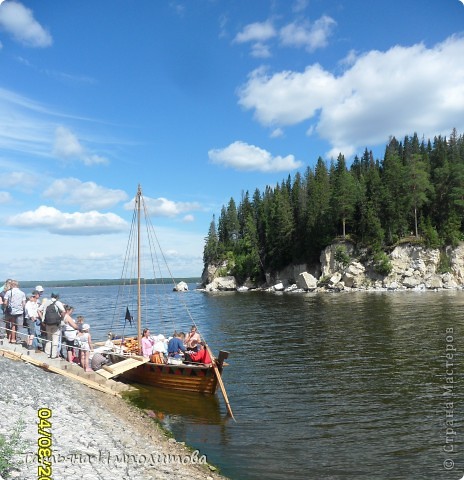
pixel 323 386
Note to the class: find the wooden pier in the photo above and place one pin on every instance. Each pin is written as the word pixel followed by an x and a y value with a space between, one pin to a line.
pixel 63 367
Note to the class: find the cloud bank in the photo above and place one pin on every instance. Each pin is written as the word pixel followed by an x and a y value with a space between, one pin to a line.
pixel 57 222
pixel 162 207
pixel 298 34
pixel 242 156
pixel 19 22
pixel 396 92
pixel 67 146
pixel 88 195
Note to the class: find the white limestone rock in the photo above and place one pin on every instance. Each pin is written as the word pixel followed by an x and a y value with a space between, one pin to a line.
pixel 181 287
pixel 306 281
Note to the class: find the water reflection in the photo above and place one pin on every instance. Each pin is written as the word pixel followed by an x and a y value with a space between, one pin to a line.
pixel 343 386
pixel 167 403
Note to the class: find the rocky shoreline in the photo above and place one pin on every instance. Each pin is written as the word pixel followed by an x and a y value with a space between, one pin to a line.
pixel 343 268
pixel 93 435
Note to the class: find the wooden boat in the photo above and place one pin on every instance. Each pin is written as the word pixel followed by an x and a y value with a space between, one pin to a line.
pixel 130 365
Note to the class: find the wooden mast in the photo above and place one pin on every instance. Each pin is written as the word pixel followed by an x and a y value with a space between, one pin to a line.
pixel 139 302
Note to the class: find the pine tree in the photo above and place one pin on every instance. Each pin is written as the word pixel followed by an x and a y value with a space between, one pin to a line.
pixel 343 194
pixel 210 251
pixel 418 184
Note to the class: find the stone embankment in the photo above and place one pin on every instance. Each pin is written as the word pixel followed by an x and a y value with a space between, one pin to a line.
pixel 90 434
pixel 412 267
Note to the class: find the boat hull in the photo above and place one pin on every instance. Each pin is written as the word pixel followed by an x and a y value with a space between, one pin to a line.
pixel 189 378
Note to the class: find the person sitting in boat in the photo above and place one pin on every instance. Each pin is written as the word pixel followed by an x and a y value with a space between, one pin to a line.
pixel 147 343
pixel 176 346
pixel 200 356
pixel 160 348
pixel 192 339
pixel 98 360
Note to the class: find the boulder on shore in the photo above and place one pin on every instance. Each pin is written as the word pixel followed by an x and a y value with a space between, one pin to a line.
pixel 181 287
pixel 222 284
pixel 306 281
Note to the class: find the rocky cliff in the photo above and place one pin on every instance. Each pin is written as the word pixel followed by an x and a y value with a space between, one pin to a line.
pixel 410 267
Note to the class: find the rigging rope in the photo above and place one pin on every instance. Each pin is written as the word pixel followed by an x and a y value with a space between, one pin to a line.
pixel 166 311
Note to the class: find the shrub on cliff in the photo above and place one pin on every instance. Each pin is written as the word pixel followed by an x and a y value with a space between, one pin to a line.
pixel 382 263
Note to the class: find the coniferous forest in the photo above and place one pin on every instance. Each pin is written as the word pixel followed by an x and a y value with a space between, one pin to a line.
pixel 415 193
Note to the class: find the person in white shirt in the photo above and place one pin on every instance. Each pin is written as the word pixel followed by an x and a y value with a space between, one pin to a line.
pixel 31 314
pixel 14 301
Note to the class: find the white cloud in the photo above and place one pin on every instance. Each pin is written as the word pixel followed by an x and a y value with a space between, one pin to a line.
pixel 296 34
pixel 5 197
pixel 162 207
pixel 260 50
pixel 350 59
pixel 277 132
pixel 68 146
pixel 300 5
pixel 287 98
pixel 20 129
pixel 20 180
pixel 178 7
pixel 30 128
pixel 88 195
pixel 241 156
pixel 19 21
pixel 188 218
pixel 57 222
pixel 396 92
pixel 93 256
pixel 309 36
pixel 256 32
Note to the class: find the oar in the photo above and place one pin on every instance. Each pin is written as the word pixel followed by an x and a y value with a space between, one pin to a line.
pixel 221 383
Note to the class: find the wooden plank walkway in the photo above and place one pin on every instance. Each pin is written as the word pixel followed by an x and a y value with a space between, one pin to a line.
pixel 63 367
pixel 109 371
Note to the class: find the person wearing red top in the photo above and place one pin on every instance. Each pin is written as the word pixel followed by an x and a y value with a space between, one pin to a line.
pixel 202 356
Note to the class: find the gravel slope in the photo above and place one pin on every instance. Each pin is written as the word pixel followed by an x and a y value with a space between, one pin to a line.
pixel 94 435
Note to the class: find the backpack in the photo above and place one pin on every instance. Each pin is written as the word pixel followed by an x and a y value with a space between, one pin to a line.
pixel 52 315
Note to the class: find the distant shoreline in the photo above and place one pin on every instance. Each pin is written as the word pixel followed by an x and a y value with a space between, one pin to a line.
pixel 102 282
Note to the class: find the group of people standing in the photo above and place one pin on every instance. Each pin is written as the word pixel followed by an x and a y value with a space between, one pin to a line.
pixel 49 324
pixel 180 347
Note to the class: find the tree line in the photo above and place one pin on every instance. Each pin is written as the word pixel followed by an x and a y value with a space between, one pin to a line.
pixel 416 191
pixel 104 282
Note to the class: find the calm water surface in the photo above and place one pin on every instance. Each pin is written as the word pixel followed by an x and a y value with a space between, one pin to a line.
pixel 323 386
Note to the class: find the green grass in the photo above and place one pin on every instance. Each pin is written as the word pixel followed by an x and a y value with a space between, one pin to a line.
pixel 9 447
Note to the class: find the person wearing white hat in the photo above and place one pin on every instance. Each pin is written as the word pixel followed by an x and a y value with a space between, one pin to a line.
pixel 160 349
pixel 160 344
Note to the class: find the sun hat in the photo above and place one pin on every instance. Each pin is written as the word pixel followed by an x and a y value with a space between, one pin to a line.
pixel 86 326
pixel 39 288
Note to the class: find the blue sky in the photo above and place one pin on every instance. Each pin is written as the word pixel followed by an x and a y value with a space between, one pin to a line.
pixel 199 101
